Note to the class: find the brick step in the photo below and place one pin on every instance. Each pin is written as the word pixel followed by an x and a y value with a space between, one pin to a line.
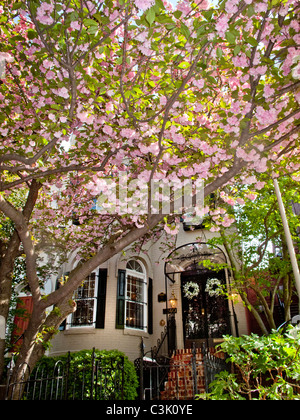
pixel 180 384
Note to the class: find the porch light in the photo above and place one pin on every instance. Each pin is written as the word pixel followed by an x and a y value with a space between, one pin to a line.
pixel 173 301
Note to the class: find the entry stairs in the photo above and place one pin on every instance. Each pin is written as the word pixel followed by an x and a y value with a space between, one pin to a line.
pixel 190 373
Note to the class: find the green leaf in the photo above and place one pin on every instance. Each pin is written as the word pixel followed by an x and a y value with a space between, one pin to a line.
pixel 237 50
pixel 219 52
pixel 160 4
pixel 98 17
pixel 184 65
pixel 151 83
pixel 150 16
pixel 252 41
pixel 31 34
pixel 230 37
pixel 18 5
pixel 164 19
pixel 185 30
pixel 90 22
pixel 178 14
pixel 250 11
pixel 92 30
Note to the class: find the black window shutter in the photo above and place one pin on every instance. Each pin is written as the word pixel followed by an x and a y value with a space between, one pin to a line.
pixel 101 298
pixel 120 314
pixel 150 306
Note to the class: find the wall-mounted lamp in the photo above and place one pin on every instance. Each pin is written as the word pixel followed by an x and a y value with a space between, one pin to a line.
pixel 172 305
pixel 173 301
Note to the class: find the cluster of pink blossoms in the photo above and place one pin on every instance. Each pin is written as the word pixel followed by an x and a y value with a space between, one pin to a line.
pixel 44 12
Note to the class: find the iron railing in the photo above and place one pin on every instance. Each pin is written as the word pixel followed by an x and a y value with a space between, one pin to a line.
pixel 68 381
pixel 212 366
pixel 182 377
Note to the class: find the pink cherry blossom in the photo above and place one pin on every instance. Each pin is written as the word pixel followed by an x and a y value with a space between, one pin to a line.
pixel 85 117
pixel 266 117
pixel 262 6
pixel 227 221
pixel 204 5
pixel 128 133
pixel 108 130
pixel 43 13
pixel 258 71
pixel 50 74
pixel 251 196
pixel 214 229
pixel 172 230
pixel 63 92
pixel 144 4
pixel 199 83
pixel 240 201
pixel 260 185
pixel 222 25
pixel 241 60
pixel 75 25
pixel 184 7
pixel 231 6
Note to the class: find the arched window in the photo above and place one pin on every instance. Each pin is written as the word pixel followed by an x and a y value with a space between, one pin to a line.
pixel 136 296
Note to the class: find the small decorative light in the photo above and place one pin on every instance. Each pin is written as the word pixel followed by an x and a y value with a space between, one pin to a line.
pixel 173 301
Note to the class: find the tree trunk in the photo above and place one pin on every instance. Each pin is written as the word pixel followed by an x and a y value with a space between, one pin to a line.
pixel 255 313
pixel 39 332
pixel 6 274
pixel 7 260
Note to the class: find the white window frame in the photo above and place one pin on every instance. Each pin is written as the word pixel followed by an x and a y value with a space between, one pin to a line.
pixel 143 277
pixel 95 298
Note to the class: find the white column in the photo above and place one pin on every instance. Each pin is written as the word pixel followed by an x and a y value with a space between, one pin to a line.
pixel 288 238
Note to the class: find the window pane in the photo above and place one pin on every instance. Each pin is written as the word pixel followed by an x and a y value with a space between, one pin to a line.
pixel 135 266
pixel 84 313
pixel 135 302
pixel 135 315
pixel 85 300
pixel 135 289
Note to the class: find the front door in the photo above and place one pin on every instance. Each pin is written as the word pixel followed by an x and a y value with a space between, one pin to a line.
pixel 205 311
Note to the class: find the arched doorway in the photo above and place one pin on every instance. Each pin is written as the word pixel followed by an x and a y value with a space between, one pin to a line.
pixel 205 311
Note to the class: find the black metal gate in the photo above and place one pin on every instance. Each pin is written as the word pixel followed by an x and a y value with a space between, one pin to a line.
pixel 66 381
pixel 186 374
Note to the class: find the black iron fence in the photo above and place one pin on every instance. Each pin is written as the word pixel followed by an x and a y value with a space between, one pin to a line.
pixel 212 366
pixel 68 381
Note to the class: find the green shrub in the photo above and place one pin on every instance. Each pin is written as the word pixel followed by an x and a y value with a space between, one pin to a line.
pixel 107 376
pixel 264 368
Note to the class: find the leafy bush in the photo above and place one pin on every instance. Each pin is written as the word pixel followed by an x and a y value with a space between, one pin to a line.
pixel 264 368
pixel 97 375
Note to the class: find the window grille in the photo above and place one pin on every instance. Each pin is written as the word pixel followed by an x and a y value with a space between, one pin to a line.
pixel 136 296
pixel 85 297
